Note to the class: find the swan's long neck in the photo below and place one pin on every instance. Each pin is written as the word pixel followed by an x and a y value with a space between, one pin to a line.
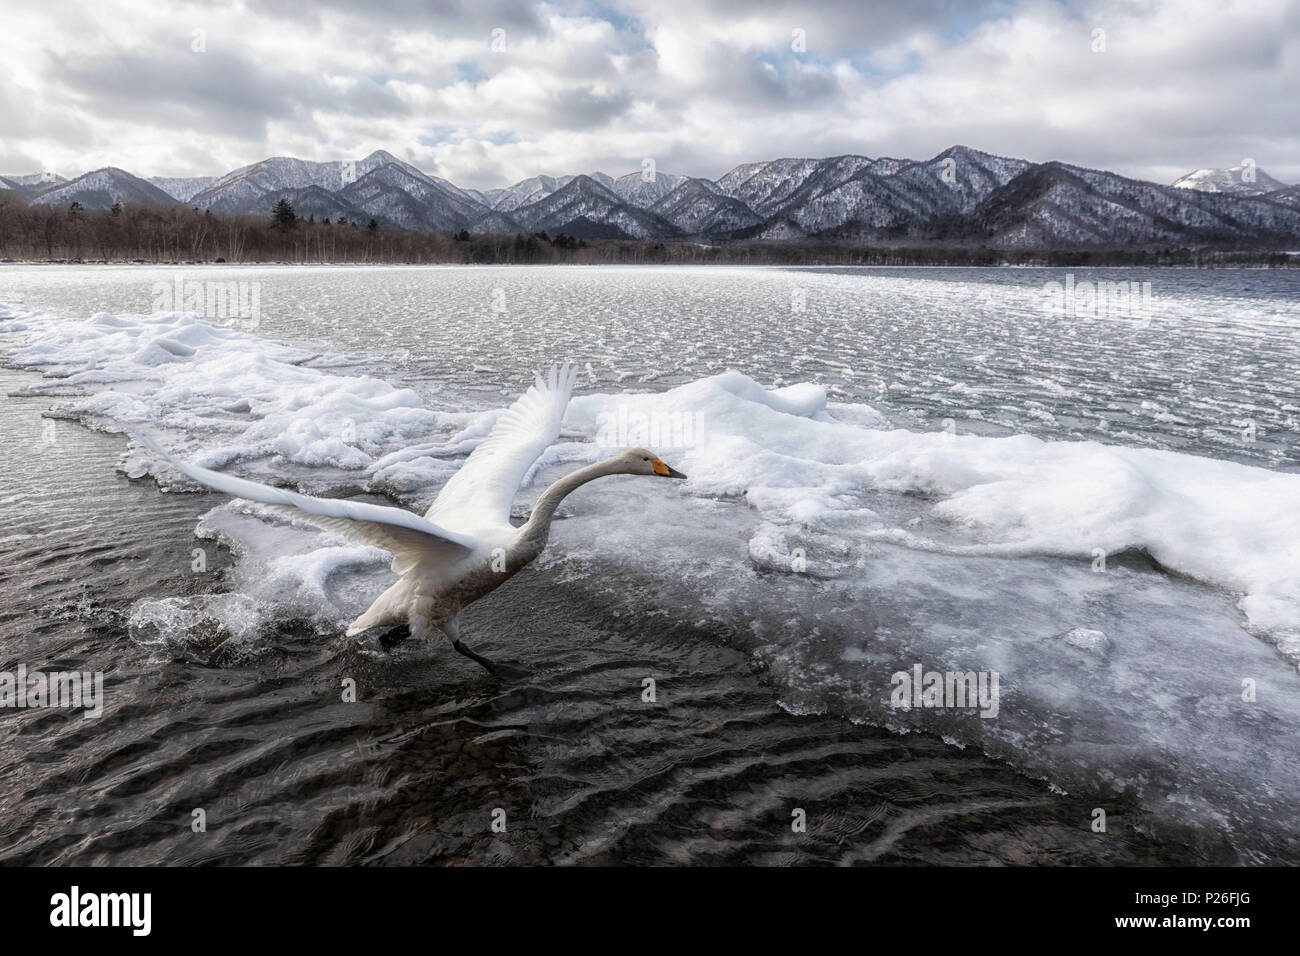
pixel 539 523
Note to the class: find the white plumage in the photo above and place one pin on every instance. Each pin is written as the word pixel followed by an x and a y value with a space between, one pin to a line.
pixel 464 546
pixel 480 494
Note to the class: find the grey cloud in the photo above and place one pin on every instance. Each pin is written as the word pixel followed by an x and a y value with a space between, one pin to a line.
pixel 448 18
pixel 580 108
pixel 587 109
pixel 215 90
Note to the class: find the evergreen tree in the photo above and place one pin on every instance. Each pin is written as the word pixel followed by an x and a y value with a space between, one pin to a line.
pixel 283 216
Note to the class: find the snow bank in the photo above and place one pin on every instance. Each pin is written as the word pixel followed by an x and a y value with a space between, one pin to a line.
pixel 1228 525
pixel 230 395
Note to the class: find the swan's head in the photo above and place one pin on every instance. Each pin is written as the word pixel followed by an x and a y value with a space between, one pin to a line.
pixel 641 461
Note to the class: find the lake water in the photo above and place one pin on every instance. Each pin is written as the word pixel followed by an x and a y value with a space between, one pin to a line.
pixel 890 468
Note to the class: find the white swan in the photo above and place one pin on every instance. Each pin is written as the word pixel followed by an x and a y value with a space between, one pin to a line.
pixel 465 546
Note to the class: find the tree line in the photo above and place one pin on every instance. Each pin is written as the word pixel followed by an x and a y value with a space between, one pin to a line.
pixel 153 234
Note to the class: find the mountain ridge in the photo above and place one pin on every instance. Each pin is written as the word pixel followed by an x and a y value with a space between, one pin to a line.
pixel 961 195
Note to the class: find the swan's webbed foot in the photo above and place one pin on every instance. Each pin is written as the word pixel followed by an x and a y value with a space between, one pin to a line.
pixel 502 670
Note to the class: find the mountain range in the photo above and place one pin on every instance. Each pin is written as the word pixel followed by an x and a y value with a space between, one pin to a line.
pixel 960 196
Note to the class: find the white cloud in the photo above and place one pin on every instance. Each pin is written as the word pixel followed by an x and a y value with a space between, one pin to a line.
pixel 699 85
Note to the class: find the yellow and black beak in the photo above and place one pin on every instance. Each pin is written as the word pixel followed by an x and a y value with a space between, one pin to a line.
pixel 665 470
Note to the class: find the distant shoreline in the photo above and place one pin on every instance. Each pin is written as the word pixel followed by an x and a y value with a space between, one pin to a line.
pixel 149 235
pixel 895 259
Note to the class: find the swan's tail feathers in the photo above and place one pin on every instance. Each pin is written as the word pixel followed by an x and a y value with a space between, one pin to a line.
pixel 390 608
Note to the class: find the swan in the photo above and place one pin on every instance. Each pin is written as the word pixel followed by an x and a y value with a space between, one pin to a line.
pixel 465 546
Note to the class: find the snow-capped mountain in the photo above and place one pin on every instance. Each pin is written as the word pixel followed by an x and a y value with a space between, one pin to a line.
pixel 182 188
pixel 400 195
pixel 236 191
pixel 843 198
pixel 101 189
pixel 1242 180
pixel 697 208
pixel 534 188
pixel 644 189
pixel 1290 196
pixel 1055 204
pixel 762 186
pixel 526 191
pixel 960 196
pixel 585 208
pixel 26 183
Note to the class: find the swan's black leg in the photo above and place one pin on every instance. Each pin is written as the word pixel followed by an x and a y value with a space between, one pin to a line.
pixel 501 669
pixel 476 658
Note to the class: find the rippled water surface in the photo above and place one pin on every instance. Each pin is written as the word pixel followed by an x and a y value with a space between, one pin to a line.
pixel 762 706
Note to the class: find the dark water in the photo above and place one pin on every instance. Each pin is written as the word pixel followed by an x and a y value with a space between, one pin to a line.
pixel 584 770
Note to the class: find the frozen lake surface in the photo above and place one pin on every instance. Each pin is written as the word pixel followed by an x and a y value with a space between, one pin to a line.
pixel 888 468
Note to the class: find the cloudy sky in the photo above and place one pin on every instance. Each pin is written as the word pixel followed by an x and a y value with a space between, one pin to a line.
pixel 487 92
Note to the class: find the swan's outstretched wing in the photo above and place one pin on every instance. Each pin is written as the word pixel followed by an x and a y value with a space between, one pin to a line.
pixel 480 494
pixel 409 537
